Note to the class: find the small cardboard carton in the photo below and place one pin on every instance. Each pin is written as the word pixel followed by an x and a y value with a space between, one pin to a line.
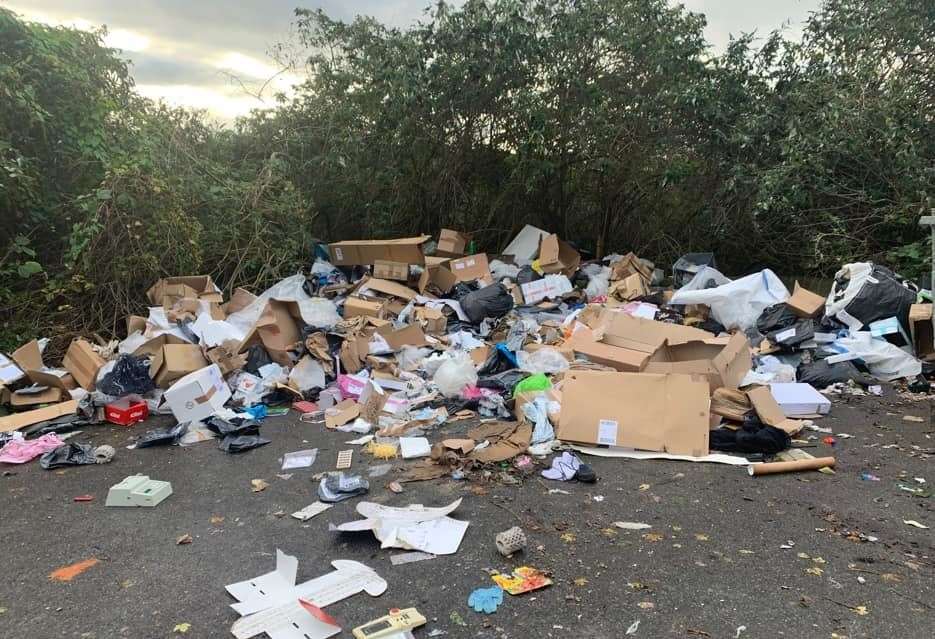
pixel 83 363
pixel 155 345
pixel 630 288
pixel 198 395
pixel 620 359
pixel 168 290
pixel 667 413
pixel 387 270
pixel 799 400
pixel 470 268
pixel 557 256
pixel 227 358
pixel 804 303
pixel 175 361
pixel 724 363
pixel 29 359
pixel 920 325
pixel 411 335
pixel 277 330
pixel 21 420
pixel 437 278
pixel 363 252
pixel 452 243
pixel 433 320
pixel 629 265
pixel 355 306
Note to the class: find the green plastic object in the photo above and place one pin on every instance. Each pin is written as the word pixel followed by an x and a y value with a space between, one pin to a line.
pixel 537 382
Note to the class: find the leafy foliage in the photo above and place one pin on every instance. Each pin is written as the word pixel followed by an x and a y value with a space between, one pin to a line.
pixel 611 122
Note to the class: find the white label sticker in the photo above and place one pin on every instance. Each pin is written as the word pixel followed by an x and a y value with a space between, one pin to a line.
pixel 786 334
pixel 459 266
pixel 471 262
pixel 607 432
pixel 338 253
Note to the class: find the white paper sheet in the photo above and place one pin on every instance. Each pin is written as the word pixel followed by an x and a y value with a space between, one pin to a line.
pixel 311 511
pixel 437 536
pixel 714 458
pixel 414 447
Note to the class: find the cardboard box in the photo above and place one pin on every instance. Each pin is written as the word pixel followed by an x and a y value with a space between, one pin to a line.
pixel 769 411
pixel 227 358
pixel 386 270
pixel 470 268
pixel 625 331
pixel 126 412
pixel 452 243
pixel 557 256
pixel 241 299
pixel 411 335
pixel 168 290
pixel 175 361
pixel 355 306
pixel 155 345
pixel 369 285
pixel 629 265
pixel 620 359
pixel 433 320
pixel 83 363
pixel 630 288
pixel 363 252
pixel 526 243
pixel 437 277
pixel 135 323
pixel 920 325
pixel 799 400
pixel 21 420
pixel 667 413
pixel 545 288
pixel 277 330
pixel 29 359
pixel 804 303
pixel 198 395
pixel 724 363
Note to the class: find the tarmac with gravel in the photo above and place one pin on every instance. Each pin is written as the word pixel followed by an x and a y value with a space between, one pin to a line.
pixel 711 565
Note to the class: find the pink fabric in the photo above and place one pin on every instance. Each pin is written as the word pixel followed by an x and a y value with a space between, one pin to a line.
pixel 20 451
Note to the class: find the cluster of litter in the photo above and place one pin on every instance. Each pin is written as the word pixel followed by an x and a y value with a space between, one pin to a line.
pixel 542 354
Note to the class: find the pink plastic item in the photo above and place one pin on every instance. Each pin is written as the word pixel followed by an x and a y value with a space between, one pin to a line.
pixel 20 451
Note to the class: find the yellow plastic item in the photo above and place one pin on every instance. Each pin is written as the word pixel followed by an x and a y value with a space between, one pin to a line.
pixel 398 621
pixel 382 451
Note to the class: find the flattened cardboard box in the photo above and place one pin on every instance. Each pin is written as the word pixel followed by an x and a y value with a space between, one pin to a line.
pixel 620 359
pixel 669 413
pixel 722 364
pixel 393 289
pixel 452 243
pixel 804 303
pixel 557 256
pixel 620 329
pixel 21 420
pixel 49 395
pixel 83 363
pixel 170 289
pixel 363 252
pixel 386 270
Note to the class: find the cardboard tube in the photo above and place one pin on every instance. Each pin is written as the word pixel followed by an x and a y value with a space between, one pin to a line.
pixel 790 466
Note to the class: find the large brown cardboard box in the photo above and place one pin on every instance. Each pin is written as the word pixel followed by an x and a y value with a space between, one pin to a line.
pixel 354 306
pixel 437 277
pixel 619 329
pixel 630 288
pixel 556 256
pixel 920 324
pixel 667 413
pixel 362 252
pixel 29 359
pixel 723 362
pixel 83 363
pixel 387 270
pixel 451 243
pixel 804 303
pixel 169 289
pixel 174 362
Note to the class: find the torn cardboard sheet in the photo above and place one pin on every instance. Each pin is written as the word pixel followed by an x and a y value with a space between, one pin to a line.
pixel 270 603
pixel 628 453
pixel 28 418
pixel 507 440
pixel 414 527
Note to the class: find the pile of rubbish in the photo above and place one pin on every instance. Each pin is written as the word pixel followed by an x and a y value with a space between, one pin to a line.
pixel 398 340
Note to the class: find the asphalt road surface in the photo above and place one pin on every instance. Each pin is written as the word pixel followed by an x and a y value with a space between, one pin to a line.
pixel 711 565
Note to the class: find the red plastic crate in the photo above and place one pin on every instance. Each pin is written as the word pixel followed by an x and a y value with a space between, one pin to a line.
pixel 126 412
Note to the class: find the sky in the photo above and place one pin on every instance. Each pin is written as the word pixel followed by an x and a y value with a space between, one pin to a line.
pixel 214 54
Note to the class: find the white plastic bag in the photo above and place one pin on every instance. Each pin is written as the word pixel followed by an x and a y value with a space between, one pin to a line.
pixel 537 411
pixel 410 357
pixel 499 270
pixel 307 374
pixel 544 360
pixel 454 375
pixel 736 304
pixel 598 282
pixel 885 361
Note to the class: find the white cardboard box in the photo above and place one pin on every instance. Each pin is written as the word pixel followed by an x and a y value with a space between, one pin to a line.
pixel 198 395
pixel 798 399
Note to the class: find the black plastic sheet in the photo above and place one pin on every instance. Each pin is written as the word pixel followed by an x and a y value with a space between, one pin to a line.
pixel 130 376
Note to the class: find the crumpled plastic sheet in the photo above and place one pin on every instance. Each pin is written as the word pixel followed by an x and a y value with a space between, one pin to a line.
pixel 544 360
pixel 242 443
pixel 20 451
pixel 162 437
pixel 335 487
pixel 68 454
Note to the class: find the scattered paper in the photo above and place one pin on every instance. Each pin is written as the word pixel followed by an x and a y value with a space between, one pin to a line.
pixel 410 557
pixel 631 525
pixel 412 528
pixel 270 603
pixel 258 485
pixel 311 510
pixel 715 458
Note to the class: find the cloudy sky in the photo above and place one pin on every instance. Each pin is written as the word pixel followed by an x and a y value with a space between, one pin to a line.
pixel 186 51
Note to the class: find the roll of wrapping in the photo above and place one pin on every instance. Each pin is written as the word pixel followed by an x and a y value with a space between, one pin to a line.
pixel 790 466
